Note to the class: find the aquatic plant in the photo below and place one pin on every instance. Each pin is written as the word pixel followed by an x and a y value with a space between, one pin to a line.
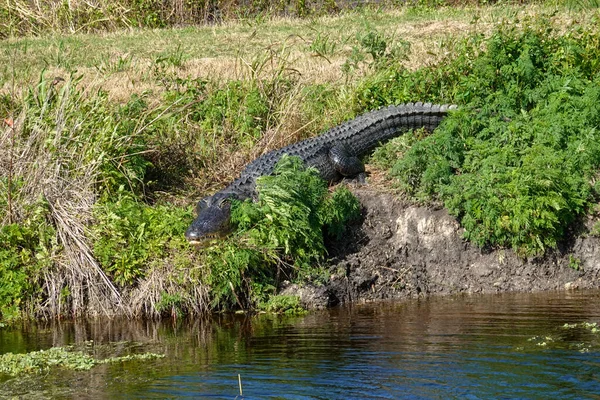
pixel 41 361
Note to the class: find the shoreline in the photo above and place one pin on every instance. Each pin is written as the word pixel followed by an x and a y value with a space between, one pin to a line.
pixel 401 251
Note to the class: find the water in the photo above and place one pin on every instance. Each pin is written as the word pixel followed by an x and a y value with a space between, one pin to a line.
pixel 476 347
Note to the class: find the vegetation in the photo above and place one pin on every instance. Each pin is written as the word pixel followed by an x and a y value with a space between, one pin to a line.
pixel 97 182
pixel 517 164
pixel 22 17
pixel 582 337
pixel 279 236
pixel 41 361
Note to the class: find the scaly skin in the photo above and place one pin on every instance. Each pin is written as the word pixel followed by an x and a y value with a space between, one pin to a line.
pixel 334 154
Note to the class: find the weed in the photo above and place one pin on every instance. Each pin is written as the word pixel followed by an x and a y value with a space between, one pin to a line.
pixel 515 164
pixel 595 231
pixel 283 304
pixel 172 59
pixel 282 233
pixel 171 304
pixel 129 234
pixel 574 263
pixel 27 250
pixel 121 64
pixel 582 5
pixel 377 52
pixel 42 361
pixel 323 46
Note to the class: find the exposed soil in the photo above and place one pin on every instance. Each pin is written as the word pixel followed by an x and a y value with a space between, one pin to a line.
pixel 400 250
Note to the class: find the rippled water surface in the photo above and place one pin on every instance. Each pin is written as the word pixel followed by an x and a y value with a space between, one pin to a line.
pixel 502 346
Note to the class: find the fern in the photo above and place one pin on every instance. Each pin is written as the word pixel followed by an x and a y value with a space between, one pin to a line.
pixel 284 231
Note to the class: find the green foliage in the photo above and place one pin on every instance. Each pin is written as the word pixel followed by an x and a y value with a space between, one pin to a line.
pixel 323 46
pixel 288 213
pixel 25 252
pixel 377 51
pixel 338 209
pixel 285 230
pixel 386 156
pixel 237 107
pixel 574 263
pixel 42 361
pixel 582 5
pixel 283 304
pixel 515 164
pixel 595 230
pixel 293 207
pixel 171 303
pixel 129 235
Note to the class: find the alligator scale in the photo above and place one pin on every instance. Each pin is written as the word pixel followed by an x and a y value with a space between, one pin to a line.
pixel 334 154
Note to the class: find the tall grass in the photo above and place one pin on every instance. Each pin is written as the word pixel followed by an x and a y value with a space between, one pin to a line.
pixel 22 17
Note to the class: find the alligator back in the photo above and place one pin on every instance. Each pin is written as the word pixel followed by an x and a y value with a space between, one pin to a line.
pixel 359 136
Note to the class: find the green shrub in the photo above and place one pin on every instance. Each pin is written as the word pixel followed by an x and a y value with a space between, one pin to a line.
pixel 26 251
pixel 515 164
pixel 283 304
pixel 129 235
pixel 282 233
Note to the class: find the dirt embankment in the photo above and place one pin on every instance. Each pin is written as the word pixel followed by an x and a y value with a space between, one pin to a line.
pixel 403 251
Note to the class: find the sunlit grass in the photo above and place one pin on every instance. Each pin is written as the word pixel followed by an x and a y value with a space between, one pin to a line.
pixel 121 61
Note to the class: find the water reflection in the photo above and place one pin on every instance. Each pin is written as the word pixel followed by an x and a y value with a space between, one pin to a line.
pixel 452 347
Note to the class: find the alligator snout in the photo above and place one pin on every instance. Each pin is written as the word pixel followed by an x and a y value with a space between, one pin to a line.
pixel 211 223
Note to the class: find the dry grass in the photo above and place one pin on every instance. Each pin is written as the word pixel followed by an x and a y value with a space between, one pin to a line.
pixel 122 62
pixel 66 181
pixel 147 299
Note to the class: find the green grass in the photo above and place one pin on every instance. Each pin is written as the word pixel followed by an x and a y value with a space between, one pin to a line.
pixel 29 55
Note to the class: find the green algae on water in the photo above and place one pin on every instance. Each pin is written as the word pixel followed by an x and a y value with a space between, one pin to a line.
pixel 36 362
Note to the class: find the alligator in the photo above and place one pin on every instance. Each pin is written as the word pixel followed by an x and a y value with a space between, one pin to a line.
pixel 334 154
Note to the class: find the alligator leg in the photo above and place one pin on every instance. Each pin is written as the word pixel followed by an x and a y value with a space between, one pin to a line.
pixel 346 164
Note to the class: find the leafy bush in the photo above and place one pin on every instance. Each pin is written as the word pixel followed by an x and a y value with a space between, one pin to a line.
pixel 515 164
pixel 238 107
pixel 129 235
pixel 377 51
pixel 25 252
pixel 283 304
pixel 283 232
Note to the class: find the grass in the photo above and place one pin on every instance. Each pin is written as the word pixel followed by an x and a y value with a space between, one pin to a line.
pixel 102 166
pixel 222 51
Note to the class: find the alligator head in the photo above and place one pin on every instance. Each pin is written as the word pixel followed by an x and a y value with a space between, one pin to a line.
pixel 212 221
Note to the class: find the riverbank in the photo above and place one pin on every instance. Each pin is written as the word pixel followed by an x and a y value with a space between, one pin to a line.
pixel 109 139
pixel 400 250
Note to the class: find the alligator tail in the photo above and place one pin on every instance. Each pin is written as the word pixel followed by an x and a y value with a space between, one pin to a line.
pixel 371 129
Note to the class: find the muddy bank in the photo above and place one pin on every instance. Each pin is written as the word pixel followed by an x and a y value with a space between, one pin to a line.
pixel 405 251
